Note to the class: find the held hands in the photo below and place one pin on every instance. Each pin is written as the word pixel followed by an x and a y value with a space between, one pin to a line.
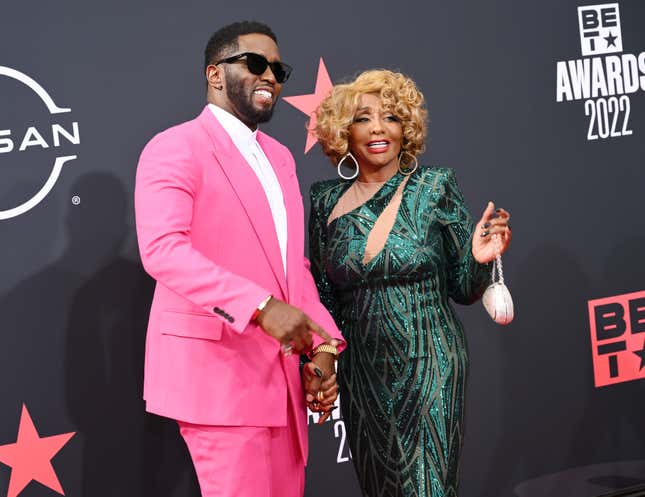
pixel 293 328
pixel 492 234
pixel 290 326
pixel 319 381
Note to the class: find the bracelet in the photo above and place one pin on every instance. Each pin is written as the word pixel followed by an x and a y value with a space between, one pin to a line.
pixel 325 347
pixel 260 308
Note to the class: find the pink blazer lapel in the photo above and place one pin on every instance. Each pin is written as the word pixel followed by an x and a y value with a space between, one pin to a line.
pixel 295 219
pixel 248 189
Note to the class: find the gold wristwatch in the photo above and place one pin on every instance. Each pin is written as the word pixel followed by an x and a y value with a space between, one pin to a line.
pixel 325 347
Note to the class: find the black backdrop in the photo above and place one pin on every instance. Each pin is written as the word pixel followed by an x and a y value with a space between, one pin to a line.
pixel 74 299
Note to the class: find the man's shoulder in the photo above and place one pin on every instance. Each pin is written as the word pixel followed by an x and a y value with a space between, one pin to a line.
pixel 178 131
pixel 182 136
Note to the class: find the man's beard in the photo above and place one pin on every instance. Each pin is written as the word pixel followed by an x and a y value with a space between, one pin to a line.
pixel 242 103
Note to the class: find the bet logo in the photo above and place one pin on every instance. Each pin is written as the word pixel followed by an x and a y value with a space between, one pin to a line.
pixel 600 29
pixel 618 338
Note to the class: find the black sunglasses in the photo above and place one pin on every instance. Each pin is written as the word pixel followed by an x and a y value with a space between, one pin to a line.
pixel 257 64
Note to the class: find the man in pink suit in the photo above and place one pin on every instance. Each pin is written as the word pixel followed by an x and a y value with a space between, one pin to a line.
pixel 221 228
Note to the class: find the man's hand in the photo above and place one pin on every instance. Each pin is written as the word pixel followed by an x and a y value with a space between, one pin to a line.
pixel 321 389
pixel 289 325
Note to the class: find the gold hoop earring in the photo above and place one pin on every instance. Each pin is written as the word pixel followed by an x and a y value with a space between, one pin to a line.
pixel 408 171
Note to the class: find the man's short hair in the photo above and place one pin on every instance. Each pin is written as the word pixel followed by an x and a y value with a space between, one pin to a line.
pixel 225 40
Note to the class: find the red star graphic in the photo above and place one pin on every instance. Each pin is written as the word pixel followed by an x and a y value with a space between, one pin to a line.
pixel 30 457
pixel 309 103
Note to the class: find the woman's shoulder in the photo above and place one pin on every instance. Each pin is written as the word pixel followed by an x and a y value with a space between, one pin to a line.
pixel 323 191
pixel 433 177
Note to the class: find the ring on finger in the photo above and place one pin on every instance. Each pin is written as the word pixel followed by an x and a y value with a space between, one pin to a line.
pixel 287 348
pixel 320 395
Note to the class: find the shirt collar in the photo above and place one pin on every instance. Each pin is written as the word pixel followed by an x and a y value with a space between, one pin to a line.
pixel 242 136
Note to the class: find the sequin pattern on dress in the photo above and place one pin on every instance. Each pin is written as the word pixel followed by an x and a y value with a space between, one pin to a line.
pixel 403 374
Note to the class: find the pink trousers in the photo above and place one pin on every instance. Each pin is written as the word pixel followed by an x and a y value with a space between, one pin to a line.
pixel 245 461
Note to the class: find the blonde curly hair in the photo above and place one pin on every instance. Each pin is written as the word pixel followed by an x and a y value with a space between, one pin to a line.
pixel 399 95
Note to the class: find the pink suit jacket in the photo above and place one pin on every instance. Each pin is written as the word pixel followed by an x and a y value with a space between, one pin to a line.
pixel 207 236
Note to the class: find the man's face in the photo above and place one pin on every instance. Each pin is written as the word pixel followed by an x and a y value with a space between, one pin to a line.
pixel 251 97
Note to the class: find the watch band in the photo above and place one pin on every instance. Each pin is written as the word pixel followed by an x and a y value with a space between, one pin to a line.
pixel 260 308
pixel 325 347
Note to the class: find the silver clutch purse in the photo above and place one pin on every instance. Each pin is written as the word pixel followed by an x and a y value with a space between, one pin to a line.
pixel 497 299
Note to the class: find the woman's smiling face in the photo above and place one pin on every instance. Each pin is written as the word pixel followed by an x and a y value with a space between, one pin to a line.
pixel 375 135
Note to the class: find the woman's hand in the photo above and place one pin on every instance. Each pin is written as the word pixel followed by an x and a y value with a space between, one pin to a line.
pixel 492 234
pixel 321 389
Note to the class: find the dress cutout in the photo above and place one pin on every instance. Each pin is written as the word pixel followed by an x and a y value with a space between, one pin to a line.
pixel 383 225
pixel 358 194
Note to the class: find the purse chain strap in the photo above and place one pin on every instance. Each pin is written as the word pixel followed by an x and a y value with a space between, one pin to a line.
pixel 497 264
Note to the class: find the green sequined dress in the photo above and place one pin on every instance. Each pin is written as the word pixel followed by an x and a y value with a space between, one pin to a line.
pixel 402 377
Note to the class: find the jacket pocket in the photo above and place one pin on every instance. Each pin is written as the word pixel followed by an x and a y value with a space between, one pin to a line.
pixel 189 325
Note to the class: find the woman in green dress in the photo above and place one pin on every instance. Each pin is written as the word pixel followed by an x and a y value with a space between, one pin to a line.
pixel 390 245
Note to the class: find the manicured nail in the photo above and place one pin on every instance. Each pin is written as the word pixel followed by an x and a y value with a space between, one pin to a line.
pixel 498 210
pixel 486 225
pixel 318 372
pixel 485 233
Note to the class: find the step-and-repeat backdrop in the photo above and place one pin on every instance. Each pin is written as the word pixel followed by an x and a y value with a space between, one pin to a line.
pixel 538 105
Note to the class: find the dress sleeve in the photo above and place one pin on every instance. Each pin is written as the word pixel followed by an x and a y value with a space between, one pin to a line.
pixel 317 255
pixel 467 279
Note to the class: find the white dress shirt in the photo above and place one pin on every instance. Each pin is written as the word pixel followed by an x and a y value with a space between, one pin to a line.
pixel 246 142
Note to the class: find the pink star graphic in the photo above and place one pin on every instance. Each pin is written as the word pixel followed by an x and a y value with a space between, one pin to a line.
pixel 30 457
pixel 309 103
